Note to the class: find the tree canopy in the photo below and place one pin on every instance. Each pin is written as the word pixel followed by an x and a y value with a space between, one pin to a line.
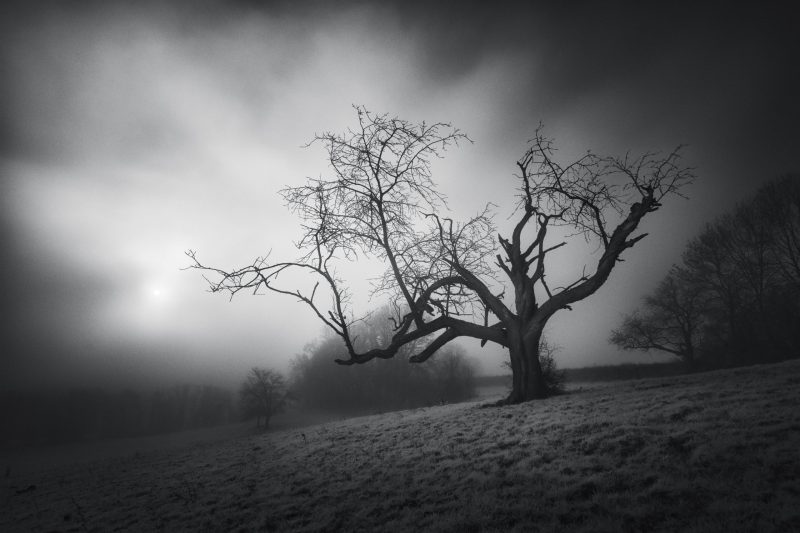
pixel 263 394
pixel 448 279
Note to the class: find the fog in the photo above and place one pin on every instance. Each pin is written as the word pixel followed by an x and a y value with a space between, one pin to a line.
pixel 131 133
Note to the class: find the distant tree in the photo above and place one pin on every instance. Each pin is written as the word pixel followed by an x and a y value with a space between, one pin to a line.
pixel 670 320
pixel 379 385
pixel 736 295
pixel 453 375
pixel 443 276
pixel 779 203
pixel 263 394
pixel 366 388
pixel 736 263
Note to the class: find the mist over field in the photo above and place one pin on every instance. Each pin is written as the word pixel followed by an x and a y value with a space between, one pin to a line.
pixel 148 150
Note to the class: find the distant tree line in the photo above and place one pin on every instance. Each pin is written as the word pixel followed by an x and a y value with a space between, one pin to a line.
pixel 317 384
pixel 379 385
pixel 598 373
pixel 93 413
pixel 604 373
pixel 735 297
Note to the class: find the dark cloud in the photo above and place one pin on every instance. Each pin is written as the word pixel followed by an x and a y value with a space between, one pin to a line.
pixel 577 48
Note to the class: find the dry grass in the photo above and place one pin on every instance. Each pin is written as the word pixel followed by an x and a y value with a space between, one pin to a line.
pixel 708 452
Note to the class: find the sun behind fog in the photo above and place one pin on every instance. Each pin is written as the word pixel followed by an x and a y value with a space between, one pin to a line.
pixel 156 294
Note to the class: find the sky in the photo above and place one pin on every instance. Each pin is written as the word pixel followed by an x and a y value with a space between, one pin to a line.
pixel 132 132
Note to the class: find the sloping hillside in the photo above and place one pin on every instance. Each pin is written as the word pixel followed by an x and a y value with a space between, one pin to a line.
pixel 707 452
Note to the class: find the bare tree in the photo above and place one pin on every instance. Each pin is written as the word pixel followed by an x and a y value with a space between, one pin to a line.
pixel 263 394
pixel 443 277
pixel 454 375
pixel 670 322
pixel 746 262
pixel 778 203
pixel 735 294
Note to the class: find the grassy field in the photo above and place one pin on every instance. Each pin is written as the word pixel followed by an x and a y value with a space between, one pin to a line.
pixel 707 452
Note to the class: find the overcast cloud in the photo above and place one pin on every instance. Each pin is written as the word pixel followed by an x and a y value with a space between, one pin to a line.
pixel 133 132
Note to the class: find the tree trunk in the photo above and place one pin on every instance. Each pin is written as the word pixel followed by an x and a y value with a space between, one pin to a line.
pixel 526 370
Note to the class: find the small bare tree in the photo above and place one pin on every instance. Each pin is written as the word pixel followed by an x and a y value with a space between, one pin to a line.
pixel 263 394
pixel 670 321
pixel 443 276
